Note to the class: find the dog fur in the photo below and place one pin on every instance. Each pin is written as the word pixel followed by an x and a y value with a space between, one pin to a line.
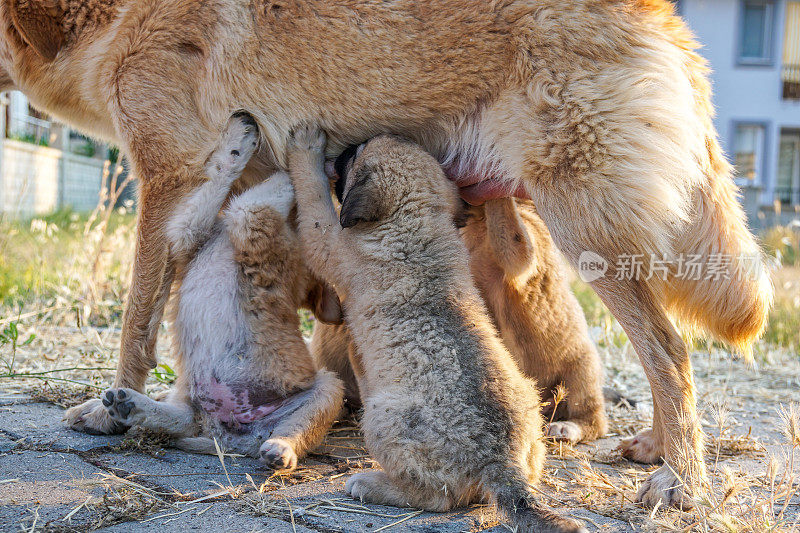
pixel 516 268
pixel 245 376
pixel 447 413
pixel 600 110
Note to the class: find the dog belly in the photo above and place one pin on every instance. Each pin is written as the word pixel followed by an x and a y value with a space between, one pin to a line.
pixel 234 404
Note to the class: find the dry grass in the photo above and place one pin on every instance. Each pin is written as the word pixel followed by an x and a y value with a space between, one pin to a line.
pixel 62 286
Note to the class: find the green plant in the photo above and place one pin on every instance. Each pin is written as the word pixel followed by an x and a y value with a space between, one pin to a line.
pixel 783 243
pixel 87 149
pixel 11 335
pixel 164 374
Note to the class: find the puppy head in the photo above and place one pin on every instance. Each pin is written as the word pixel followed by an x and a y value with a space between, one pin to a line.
pixel 386 174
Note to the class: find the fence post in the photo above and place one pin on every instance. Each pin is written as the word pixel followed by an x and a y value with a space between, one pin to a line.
pixel 63 145
pixel 3 105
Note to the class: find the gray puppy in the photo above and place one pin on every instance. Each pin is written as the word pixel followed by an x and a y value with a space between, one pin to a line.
pixel 446 412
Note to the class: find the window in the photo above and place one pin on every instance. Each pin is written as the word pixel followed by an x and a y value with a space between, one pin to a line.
pixel 748 153
pixel 755 42
pixel 790 73
pixel 787 184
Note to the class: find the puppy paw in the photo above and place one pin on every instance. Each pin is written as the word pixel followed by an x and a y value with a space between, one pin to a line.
pixel 643 448
pixel 664 486
pixel 278 454
pixel 124 406
pixel 565 431
pixel 237 144
pixel 363 486
pixel 92 417
pixel 307 138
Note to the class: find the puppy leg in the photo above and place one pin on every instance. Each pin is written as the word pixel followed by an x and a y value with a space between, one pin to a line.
pixel 585 417
pixel 377 487
pixel 191 224
pixel 306 425
pixel 131 408
pixel 319 226
pixel 330 346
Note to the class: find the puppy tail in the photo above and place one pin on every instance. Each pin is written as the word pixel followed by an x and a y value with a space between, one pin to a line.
pixel 514 499
pixel 731 298
pixel 203 445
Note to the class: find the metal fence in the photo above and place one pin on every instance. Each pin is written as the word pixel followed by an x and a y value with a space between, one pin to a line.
pixel 787 195
pixel 30 129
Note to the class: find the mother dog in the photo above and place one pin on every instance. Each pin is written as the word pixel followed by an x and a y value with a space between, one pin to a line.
pixel 599 110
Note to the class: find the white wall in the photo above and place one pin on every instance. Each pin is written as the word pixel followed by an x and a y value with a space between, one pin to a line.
pixel 29 178
pixel 743 93
pixel 37 180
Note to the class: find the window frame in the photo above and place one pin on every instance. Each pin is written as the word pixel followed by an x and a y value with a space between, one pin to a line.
pixel 768 59
pixel 760 161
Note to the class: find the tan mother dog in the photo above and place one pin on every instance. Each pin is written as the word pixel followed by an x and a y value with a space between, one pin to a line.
pixel 599 110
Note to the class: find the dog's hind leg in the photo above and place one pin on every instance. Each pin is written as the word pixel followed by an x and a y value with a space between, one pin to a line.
pixel 330 347
pixel 377 487
pixel 131 408
pixel 665 358
pixel 309 415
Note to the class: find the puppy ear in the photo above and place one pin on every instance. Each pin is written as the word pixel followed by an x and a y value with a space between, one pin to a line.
pixel 325 304
pixel 363 202
pixel 342 167
pixel 39 24
pixel 509 238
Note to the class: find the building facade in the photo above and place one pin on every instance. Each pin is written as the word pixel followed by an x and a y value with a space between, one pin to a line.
pixel 753 47
pixel 44 166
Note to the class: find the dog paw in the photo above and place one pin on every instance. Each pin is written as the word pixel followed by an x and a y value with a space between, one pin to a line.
pixel 121 405
pixel 236 146
pixel 308 138
pixel 278 454
pixel 92 417
pixel 664 486
pixel 643 448
pixel 565 431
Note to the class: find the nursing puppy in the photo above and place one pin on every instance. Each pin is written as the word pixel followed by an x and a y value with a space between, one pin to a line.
pixel 447 413
pixel 246 377
pixel 520 276
pixel 517 271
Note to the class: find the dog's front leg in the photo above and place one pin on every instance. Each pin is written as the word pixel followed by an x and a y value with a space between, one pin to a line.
pixel 148 294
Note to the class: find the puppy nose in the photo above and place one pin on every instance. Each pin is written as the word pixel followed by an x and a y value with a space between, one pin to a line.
pixel 330 169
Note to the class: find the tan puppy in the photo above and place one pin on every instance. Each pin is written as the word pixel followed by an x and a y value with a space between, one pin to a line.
pixel 599 110
pixel 246 377
pixel 447 413
pixel 519 275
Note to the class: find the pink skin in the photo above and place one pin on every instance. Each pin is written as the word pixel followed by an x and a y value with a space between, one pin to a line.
pixel 229 406
pixel 475 189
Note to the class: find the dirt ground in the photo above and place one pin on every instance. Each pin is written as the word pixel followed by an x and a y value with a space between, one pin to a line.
pixel 54 479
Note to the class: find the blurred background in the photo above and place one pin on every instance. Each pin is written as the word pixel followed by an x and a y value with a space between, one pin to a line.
pixel 67 202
